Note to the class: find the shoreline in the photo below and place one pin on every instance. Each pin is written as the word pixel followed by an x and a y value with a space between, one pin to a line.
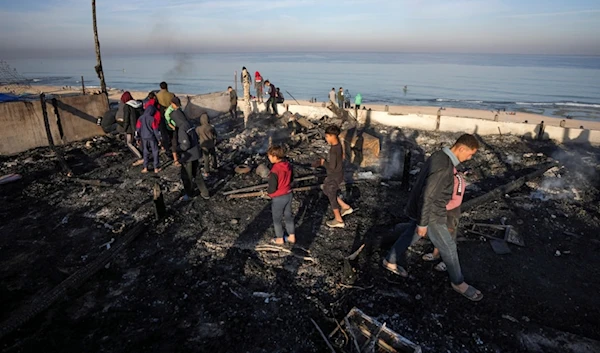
pixel 114 95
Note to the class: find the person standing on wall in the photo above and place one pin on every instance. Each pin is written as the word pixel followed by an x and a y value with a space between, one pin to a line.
pixel 272 102
pixel 332 95
pixel 258 84
pixel 164 98
pixel 358 101
pixel 340 98
pixel 246 82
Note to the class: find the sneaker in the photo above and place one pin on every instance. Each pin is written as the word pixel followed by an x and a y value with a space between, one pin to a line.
pixel 206 197
pixel 347 211
pixel 138 162
pixel 335 224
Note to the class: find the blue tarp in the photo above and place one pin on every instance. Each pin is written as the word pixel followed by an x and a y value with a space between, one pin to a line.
pixel 8 98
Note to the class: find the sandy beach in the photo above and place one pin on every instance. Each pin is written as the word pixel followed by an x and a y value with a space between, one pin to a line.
pixel 515 117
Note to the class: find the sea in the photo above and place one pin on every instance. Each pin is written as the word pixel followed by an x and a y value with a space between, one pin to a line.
pixel 559 86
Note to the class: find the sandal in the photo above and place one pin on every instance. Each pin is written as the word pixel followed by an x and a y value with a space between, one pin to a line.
pixel 399 270
pixel 429 257
pixel 471 293
pixel 274 241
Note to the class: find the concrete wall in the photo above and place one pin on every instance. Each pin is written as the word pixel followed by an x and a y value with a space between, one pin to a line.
pixel 23 123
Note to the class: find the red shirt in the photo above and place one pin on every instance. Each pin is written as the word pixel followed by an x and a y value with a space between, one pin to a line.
pixel 283 172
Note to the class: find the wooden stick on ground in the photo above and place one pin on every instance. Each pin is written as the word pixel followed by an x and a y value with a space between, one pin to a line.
pixel 265 185
pixel 298 189
pixel 505 189
pixel 323 335
pixel 352 334
pixel 273 248
pixel 355 254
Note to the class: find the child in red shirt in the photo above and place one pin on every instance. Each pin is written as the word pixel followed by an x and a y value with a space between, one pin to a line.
pixel 280 191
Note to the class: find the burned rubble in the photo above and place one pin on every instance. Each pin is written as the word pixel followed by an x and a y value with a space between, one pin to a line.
pixel 204 279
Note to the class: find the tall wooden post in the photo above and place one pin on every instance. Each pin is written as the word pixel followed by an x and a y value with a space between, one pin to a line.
pixel 98 67
pixel 82 86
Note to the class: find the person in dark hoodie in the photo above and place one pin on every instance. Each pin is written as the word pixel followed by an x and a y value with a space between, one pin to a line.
pixel 189 153
pixel 427 211
pixel 272 102
pixel 147 131
pixel 233 99
pixel 132 110
pixel 208 138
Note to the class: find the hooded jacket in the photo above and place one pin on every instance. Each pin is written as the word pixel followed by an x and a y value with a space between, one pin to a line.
pixel 432 190
pixel 187 139
pixel 132 110
pixel 147 126
pixel 206 133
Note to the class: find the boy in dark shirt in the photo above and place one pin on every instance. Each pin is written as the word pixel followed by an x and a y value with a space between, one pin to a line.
pixel 280 191
pixel 335 176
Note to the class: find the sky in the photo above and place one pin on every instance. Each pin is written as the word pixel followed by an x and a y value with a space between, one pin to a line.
pixel 41 28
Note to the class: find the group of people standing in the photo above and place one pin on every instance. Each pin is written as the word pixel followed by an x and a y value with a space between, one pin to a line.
pixel 342 98
pixel 260 85
pixel 160 123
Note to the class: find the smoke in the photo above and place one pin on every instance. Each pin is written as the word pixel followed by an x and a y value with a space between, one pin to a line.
pixel 393 165
pixel 183 66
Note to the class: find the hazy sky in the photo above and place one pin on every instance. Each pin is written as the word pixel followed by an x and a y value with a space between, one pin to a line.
pixel 64 27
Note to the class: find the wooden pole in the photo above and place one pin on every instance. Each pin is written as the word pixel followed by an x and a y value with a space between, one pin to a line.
pixel 61 160
pixel 235 80
pixel 406 171
pixel 98 67
pixel 82 86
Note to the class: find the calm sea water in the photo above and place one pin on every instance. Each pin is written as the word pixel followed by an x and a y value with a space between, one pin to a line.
pixel 550 85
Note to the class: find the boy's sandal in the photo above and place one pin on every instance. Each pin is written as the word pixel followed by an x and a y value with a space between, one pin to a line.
pixel 471 293
pixel 429 257
pixel 399 270
pixel 274 241
pixel 441 267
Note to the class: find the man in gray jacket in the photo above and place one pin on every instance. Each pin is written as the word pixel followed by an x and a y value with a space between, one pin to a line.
pixel 426 209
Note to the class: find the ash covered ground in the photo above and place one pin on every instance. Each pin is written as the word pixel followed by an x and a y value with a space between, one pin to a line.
pixel 193 281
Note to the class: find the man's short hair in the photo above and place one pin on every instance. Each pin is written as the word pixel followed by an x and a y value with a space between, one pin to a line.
pixel 340 87
pixel 277 151
pixel 333 88
pixel 267 81
pixel 468 140
pixel 163 85
pixel 332 130
pixel 229 87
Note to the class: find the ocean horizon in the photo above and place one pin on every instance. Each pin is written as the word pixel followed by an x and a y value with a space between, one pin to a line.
pixel 554 85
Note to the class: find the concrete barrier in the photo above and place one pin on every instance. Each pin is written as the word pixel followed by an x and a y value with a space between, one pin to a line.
pixel 23 123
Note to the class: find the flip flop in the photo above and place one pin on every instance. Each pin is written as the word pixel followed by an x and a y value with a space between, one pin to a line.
pixel 429 257
pixel 399 270
pixel 470 293
pixel 273 241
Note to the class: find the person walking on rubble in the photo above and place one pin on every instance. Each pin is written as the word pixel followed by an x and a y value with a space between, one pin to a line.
pixel 258 84
pixel 335 176
pixel 426 209
pixel 208 141
pixel 149 134
pixel 132 110
pixel 189 153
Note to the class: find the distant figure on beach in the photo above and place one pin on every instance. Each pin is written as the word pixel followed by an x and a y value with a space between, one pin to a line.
pixel 233 98
pixel 164 99
pixel 358 100
pixel 347 98
pixel 332 95
pixel 246 81
pixel 258 84
pixel 340 98
pixel 272 102
pixel 405 89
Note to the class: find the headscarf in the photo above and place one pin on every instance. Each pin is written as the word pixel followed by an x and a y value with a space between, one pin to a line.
pixel 126 97
pixel 257 75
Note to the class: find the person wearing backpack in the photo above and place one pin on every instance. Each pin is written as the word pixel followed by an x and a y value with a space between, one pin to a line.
pixel 189 153
pixel 272 102
pixel 132 110
pixel 280 98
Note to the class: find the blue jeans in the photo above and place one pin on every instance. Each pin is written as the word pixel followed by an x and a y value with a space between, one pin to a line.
pixel 440 237
pixel 281 207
